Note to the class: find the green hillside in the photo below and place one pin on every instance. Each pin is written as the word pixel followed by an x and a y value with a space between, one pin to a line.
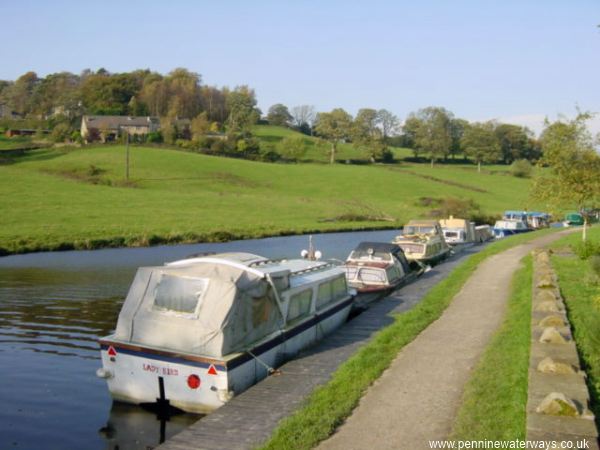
pixel 59 199
pixel 318 150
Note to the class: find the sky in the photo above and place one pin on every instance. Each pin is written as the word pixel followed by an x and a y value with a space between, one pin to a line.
pixel 517 61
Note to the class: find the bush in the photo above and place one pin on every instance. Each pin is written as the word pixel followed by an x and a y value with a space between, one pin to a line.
pixel 595 264
pixel 292 147
pixel 217 146
pixel 387 156
pixel 586 249
pixel 521 168
pixel 155 137
pixel 60 133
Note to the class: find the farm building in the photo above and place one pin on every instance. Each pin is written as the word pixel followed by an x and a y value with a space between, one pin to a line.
pixel 107 128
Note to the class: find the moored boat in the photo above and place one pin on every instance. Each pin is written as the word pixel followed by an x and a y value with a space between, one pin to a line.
pixel 573 219
pixel 195 332
pixel 458 231
pixel 509 227
pixel 538 220
pixel 378 267
pixel 423 241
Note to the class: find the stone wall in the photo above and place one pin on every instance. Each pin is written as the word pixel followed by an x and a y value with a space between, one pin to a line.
pixel 558 399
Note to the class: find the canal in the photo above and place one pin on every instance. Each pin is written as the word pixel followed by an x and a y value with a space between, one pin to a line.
pixel 53 309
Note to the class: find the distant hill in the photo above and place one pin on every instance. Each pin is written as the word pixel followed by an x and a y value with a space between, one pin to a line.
pixel 318 151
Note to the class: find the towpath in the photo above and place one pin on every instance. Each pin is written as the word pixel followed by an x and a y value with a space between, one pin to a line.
pixel 250 418
pixel 417 398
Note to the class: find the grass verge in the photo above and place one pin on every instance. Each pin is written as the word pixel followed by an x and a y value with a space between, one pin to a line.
pixel 582 300
pixel 494 401
pixel 328 406
pixel 78 198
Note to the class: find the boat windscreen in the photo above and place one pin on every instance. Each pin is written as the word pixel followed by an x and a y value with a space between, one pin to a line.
pixel 412 248
pixel 374 256
pixel 418 230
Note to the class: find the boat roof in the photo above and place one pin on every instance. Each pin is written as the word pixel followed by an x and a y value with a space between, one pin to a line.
pixel 302 271
pixel 427 223
pixel 382 247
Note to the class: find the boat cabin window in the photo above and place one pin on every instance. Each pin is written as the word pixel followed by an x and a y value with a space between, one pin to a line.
pixel 393 273
pixel 179 294
pixel 367 275
pixel 412 248
pixel 299 305
pixel 331 290
pixel 418 230
pixel 351 272
pixel 375 256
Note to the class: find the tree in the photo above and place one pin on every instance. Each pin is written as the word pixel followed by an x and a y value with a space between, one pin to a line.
pixel 303 118
pixel 409 133
pixel 200 125
pixel 21 92
pixel 293 147
pixel 214 102
pixel 515 142
pixel 366 133
pixel 389 124
pixel 57 94
pixel 457 129
pixel 61 132
pixel 571 167
pixel 103 93
pixel 431 131
pixel 334 126
pixel 243 113
pixel 183 89
pixel 480 143
pixel 279 115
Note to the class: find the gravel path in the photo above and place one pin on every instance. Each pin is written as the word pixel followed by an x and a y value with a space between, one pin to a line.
pixel 418 397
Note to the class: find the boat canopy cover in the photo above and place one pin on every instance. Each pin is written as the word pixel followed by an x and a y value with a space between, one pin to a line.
pixel 206 306
pixel 384 247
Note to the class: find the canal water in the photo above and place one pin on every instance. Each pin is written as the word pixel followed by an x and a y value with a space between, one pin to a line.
pixel 53 309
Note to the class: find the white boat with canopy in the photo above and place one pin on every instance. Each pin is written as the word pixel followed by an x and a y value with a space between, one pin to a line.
pixel 195 332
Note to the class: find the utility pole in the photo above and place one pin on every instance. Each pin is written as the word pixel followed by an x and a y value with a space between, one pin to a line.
pixel 127 158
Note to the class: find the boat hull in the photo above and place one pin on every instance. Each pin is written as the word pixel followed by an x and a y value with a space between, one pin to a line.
pixel 431 259
pixel 500 233
pixel 197 384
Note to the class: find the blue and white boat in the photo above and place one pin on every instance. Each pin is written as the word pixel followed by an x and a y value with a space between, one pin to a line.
pixel 195 332
pixel 509 227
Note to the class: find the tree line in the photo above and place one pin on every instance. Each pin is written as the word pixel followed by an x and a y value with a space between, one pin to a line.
pixel 433 132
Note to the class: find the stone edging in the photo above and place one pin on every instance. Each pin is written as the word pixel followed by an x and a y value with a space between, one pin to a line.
pixel 558 399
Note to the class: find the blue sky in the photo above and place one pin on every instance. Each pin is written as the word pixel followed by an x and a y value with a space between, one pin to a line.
pixel 512 60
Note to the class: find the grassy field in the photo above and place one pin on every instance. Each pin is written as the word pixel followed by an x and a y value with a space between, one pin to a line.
pixel 329 405
pixel 55 199
pixel 318 151
pixel 12 143
pixel 493 405
pixel 582 299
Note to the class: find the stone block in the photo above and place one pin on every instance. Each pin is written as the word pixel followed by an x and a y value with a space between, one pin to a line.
pixel 549 365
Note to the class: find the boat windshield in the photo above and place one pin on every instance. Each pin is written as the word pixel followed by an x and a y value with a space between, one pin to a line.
pixel 372 256
pixel 418 230
pixel 412 248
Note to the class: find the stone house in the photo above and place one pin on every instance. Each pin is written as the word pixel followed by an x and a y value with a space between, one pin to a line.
pixel 108 128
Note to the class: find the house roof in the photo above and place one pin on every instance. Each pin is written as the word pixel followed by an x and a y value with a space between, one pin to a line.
pixel 115 122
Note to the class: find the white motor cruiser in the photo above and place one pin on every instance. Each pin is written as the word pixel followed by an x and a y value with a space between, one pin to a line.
pixel 195 332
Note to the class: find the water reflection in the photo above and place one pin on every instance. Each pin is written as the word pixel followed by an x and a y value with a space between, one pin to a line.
pixel 134 428
pixel 53 309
